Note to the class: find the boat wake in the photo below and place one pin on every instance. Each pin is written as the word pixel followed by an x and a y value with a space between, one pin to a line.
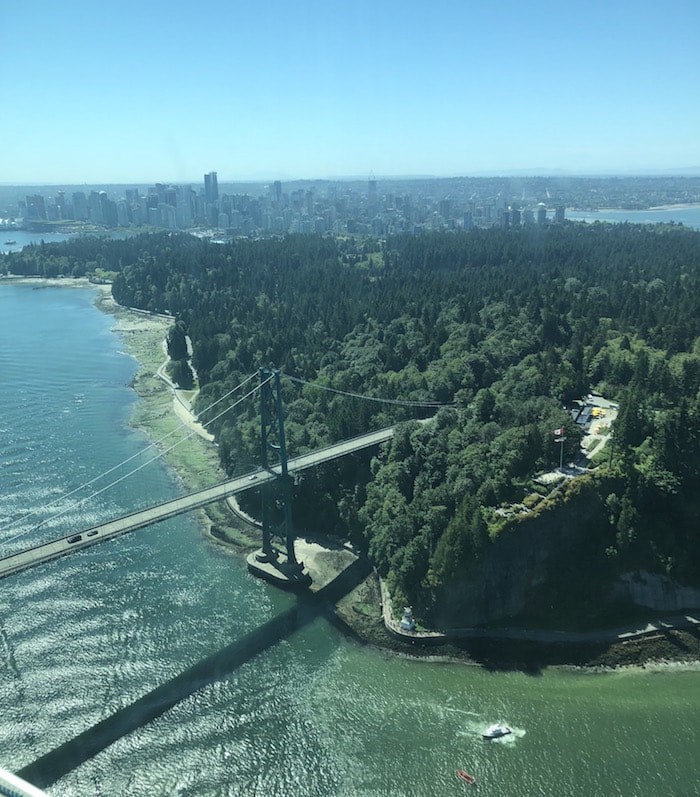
pixel 510 738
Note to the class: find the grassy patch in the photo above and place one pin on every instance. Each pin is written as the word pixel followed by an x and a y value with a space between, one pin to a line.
pixel 361 610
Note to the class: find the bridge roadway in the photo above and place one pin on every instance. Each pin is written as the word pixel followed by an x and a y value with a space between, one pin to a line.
pixel 146 517
pixel 13 786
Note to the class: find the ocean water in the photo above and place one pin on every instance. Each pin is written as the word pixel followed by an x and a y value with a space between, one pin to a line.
pixel 253 694
pixel 688 215
pixel 15 240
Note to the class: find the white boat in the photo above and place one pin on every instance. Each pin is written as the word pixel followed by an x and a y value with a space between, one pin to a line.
pixel 496 730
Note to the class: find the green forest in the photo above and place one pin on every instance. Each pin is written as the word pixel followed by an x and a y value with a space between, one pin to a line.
pixel 505 329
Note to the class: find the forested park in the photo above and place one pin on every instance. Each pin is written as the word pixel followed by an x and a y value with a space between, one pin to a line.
pixel 505 329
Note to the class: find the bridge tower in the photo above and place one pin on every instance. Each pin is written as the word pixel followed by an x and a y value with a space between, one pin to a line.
pixel 273 453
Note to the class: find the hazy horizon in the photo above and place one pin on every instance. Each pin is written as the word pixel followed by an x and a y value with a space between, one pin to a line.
pixel 223 180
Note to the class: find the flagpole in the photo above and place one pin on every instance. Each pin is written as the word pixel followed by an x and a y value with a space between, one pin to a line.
pixel 560 438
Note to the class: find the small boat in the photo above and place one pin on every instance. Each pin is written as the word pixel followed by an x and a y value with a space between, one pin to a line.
pixel 466 777
pixel 10 243
pixel 496 730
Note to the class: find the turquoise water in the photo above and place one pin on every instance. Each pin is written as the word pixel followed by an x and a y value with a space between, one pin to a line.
pixel 312 714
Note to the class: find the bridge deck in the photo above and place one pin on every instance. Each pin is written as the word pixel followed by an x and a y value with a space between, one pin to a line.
pixel 13 786
pixel 146 517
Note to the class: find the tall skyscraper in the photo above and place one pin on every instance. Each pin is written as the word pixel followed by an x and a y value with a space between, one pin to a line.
pixel 211 188
pixel 372 193
pixel 184 206
pixel 80 206
pixel 95 208
pixel 36 208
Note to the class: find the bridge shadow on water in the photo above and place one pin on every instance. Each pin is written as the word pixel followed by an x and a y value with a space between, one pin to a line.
pixel 63 759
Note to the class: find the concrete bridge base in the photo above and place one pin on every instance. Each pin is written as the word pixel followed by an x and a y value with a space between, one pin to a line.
pixel 278 570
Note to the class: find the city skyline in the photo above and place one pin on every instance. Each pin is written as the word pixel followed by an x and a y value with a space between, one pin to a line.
pixel 138 93
pixel 372 207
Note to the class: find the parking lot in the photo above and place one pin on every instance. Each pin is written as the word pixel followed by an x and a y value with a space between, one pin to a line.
pixel 597 431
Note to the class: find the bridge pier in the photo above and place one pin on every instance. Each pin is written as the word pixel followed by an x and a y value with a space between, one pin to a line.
pixel 269 563
pixel 275 567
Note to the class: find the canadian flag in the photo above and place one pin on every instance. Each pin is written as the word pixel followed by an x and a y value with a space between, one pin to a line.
pixel 559 432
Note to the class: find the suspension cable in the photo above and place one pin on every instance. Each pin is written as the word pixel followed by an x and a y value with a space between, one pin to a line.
pixel 143 465
pixel 80 487
pixel 397 402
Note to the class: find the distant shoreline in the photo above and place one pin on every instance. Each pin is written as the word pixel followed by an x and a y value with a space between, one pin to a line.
pixel 676 206
pixel 685 206
pixel 682 206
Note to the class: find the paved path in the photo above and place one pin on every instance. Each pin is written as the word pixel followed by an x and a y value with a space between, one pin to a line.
pixel 675 622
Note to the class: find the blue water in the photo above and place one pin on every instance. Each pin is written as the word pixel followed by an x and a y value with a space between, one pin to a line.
pixel 689 216
pixel 313 714
pixel 22 238
pixel 16 240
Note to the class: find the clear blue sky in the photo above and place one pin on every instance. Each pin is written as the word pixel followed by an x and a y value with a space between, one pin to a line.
pixel 107 92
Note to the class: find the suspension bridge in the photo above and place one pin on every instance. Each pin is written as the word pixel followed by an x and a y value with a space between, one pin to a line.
pixel 275 472
pixel 275 468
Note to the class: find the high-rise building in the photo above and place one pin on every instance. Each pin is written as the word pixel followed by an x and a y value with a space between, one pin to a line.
pixel 211 188
pixel 122 213
pixel 61 204
pixel 445 208
pixel 159 190
pixel 109 210
pixel 184 207
pixel 372 193
pixel 80 206
pixel 36 208
pixel 168 217
pixel 95 208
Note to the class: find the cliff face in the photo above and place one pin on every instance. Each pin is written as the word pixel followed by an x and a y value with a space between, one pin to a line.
pixel 538 564
pixel 554 565
pixel 656 591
